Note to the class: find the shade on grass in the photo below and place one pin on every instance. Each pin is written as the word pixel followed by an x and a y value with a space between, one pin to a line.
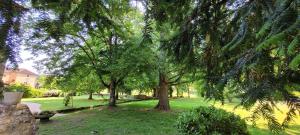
pixel 138 118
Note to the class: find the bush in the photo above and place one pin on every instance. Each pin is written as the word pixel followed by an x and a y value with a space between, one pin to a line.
pixel 211 121
pixel 142 97
pixel 36 93
pixel 21 88
pixel 27 90
pixel 52 93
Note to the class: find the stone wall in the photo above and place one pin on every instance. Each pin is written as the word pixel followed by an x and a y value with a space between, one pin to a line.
pixel 17 120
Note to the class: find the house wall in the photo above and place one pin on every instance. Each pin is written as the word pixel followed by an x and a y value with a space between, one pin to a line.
pixel 13 77
pixel 9 77
pixel 26 79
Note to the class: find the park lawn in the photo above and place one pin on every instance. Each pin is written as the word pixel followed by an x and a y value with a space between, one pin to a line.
pixel 56 103
pixel 136 118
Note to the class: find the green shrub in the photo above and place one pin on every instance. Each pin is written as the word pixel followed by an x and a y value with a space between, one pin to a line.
pixel 67 99
pixel 36 93
pixel 27 90
pixel 20 88
pixel 211 121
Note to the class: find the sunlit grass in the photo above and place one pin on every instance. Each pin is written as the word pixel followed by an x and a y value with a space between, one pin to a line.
pixel 56 103
pixel 140 118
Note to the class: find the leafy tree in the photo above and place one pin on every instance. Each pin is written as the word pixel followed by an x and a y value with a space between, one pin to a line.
pixel 11 12
pixel 253 43
pixel 81 79
pixel 95 37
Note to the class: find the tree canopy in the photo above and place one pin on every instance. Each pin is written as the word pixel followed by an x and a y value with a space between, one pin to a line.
pixel 248 46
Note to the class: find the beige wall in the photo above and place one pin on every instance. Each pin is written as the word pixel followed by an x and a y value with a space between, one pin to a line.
pixel 13 77
pixel 26 79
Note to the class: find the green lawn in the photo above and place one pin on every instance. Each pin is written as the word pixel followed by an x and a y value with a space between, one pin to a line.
pixel 136 118
pixel 56 103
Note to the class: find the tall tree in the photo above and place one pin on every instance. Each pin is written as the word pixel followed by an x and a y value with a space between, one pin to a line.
pixel 114 52
pixel 253 44
pixel 11 12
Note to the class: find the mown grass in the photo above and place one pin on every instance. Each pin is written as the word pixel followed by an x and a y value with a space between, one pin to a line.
pixel 138 118
pixel 56 103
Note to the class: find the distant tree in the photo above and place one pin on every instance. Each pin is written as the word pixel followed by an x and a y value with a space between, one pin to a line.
pixel 81 80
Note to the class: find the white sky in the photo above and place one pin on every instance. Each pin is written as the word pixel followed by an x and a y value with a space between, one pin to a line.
pixel 27 62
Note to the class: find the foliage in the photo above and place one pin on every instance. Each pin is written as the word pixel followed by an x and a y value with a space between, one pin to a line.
pixel 48 82
pixel 27 90
pixel 104 39
pixel 252 43
pixel 210 120
pixel 11 12
pixel 67 99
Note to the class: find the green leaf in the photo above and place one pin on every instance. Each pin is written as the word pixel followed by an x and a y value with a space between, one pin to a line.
pixel 271 41
pixel 266 27
pixel 295 62
pixel 292 46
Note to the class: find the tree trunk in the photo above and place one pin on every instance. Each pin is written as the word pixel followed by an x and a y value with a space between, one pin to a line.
pixel 155 93
pixel 112 93
pixel 90 96
pixel 163 103
pixel 170 92
pixel 117 95
pixel 188 91
pixel 2 69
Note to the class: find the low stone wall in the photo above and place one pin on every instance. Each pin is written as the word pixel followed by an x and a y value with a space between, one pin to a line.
pixel 17 120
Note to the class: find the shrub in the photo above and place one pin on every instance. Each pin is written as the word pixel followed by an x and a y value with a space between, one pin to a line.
pixel 35 93
pixel 27 90
pixel 52 93
pixel 21 88
pixel 143 97
pixel 67 99
pixel 211 121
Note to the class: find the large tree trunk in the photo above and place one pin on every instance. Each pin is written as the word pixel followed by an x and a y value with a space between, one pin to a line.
pixel 163 103
pixel 2 68
pixel 90 96
pixel 112 93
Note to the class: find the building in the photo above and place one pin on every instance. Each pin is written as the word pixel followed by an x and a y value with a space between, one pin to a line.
pixel 21 75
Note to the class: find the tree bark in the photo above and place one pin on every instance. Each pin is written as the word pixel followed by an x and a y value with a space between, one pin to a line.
pixel 90 96
pixel 2 69
pixel 188 92
pixel 117 95
pixel 163 100
pixel 155 93
pixel 170 92
pixel 112 93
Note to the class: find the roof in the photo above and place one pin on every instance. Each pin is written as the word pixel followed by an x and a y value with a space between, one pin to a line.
pixel 22 71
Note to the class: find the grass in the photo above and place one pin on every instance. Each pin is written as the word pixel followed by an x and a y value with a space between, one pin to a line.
pixel 56 103
pixel 136 118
